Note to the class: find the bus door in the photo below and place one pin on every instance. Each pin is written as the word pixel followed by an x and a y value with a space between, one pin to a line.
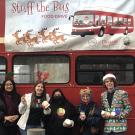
pixel 102 29
pixel 109 24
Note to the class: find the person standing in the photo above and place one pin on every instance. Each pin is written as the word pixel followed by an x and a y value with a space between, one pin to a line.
pixel 115 107
pixel 89 114
pixel 62 117
pixel 31 108
pixel 9 101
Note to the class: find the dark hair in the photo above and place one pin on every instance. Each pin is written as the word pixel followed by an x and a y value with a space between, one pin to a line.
pixel 3 85
pixel 14 94
pixel 57 90
pixel 112 79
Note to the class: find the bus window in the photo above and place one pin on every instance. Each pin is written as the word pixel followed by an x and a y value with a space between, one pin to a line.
pixel 125 21
pixel 129 21
pixel 28 69
pixel 2 69
pixel 78 20
pixel 103 20
pixel 120 21
pixel 97 20
pixel 90 69
pixel 115 20
pixel 83 19
pixel 109 20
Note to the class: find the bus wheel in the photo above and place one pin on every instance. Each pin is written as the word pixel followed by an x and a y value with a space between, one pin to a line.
pixel 126 32
pixel 82 35
pixel 101 33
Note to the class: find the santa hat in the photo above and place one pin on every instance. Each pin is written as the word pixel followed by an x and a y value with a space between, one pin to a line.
pixel 109 76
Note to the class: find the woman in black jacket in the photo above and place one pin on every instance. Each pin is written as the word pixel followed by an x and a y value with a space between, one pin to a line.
pixel 62 117
pixel 9 101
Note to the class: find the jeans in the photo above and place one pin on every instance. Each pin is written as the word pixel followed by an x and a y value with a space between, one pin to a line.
pixel 112 133
pixel 24 132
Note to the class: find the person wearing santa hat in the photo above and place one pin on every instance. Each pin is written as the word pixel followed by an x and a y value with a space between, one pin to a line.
pixel 115 106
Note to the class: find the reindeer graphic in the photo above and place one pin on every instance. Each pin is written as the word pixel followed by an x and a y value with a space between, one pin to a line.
pixel 30 40
pixel 56 38
pixel 19 40
pixel 42 34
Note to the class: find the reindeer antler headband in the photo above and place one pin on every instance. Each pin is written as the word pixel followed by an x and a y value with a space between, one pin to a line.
pixel 85 91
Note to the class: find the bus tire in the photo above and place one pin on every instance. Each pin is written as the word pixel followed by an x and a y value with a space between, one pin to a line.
pixel 126 32
pixel 101 33
pixel 82 35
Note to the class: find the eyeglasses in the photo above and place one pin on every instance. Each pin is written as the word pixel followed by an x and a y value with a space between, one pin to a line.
pixel 8 84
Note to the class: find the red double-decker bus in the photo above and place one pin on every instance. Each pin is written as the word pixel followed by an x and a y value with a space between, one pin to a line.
pixel 70 70
pixel 88 22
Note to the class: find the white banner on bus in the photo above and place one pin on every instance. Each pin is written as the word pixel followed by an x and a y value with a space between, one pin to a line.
pixel 58 25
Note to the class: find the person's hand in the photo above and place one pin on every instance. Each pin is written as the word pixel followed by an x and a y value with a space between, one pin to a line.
pixel 11 118
pixel 8 118
pixel 15 117
pixel 23 100
pixel 67 126
pixel 82 117
pixel 45 105
pixel 68 123
pixel 106 115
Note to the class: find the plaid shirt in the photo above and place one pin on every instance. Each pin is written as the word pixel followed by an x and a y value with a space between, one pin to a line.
pixel 120 101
